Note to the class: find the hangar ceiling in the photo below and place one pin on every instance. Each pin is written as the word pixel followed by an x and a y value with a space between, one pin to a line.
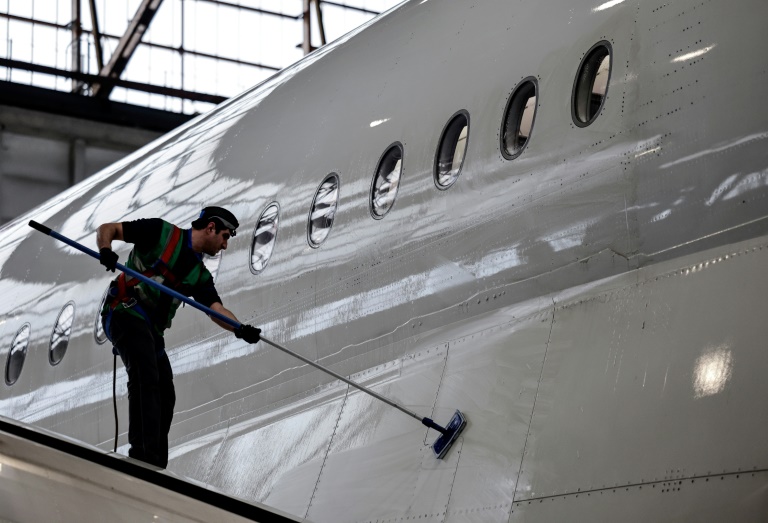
pixel 175 55
pixel 85 82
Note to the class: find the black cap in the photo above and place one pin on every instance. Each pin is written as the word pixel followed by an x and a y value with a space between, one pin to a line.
pixel 219 215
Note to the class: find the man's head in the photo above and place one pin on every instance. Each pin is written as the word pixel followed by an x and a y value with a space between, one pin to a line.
pixel 212 229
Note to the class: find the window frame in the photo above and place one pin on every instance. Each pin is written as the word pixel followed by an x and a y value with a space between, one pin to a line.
pixel 98 319
pixel 53 331
pixel 584 60
pixel 393 145
pixel 508 107
pixel 439 150
pixel 255 228
pixel 26 325
pixel 312 208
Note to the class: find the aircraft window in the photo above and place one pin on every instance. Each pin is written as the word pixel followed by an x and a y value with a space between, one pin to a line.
pixel 62 330
pixel 386 181
pixel 264 237
pixel 451 151
pixel 518 118
pixel 323 210
pixel 17 354
pixel 212 263
pixel 98 329
pixel 591 85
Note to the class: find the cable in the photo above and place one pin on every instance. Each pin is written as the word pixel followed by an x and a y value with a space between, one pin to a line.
pixel 114 395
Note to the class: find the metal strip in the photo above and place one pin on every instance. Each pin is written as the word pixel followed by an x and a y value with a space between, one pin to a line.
pixel 116 82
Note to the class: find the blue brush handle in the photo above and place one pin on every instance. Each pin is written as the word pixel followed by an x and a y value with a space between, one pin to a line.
pixel 130 272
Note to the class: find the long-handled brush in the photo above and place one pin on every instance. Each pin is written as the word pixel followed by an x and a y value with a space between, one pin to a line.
pixel 441 445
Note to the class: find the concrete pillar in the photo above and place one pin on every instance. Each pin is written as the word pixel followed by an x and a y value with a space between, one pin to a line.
pixel 77 169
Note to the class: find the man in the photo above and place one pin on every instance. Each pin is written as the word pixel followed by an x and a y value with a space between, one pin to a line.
pixel 135 315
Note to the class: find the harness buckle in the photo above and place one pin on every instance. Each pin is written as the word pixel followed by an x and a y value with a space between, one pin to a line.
pixel 130 303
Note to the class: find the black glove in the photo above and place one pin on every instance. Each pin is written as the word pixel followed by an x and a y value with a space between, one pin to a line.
pixel 108 258
pixel 248 333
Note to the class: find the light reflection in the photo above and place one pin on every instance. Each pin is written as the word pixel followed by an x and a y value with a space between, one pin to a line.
pixel 496 262
pixel 712 371
pixel 601 78
pixel 694 54
pixel 724 186
pixel 264 237
pixel 62 331
pixel 98 328
pixel 526 123
pixel 750 182
pixel 50 399
pixel 453 146
pixel 17 354
pixel 387 181
pixel 323 210
pixel 649 151
pixel 376 123
pixel 607 5
pixel 212 263
pixel 568 238
pixel 716 150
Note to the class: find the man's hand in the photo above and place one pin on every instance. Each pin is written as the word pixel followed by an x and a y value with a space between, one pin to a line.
pixel 108 258
pixel 248 333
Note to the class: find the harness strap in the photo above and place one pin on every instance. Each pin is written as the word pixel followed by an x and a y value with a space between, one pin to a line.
pixel 159 267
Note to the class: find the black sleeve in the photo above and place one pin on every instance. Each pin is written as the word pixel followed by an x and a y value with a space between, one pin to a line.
pixel 144 234
pixel 206 294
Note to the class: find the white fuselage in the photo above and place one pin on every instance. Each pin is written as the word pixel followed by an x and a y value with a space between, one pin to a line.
pixel 594 306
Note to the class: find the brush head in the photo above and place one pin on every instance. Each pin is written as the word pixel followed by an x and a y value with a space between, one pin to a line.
pixel 443 443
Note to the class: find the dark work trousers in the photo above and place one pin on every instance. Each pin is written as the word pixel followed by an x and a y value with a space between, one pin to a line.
pixel 151 395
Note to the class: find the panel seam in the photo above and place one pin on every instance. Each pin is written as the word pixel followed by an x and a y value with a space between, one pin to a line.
pixel 668 482
pixel 533 409
pixel 437 393
pixel 327 452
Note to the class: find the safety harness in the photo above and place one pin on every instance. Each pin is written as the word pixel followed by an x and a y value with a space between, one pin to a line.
pixel 121 292
pixel 160 267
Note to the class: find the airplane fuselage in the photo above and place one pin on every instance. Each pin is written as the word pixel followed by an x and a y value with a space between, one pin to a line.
pixel 592 301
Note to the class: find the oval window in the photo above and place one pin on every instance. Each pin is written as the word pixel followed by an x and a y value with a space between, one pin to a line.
pixel 518 118
pixel 212 263
pixel 17 354
pixel 62 330
pixel 386 181
pixel 98 328
pixel 451 151
pixel 591 85
pixel 323 210
pixel 264 237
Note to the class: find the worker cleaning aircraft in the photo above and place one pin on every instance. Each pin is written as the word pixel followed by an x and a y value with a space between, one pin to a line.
pixel 540 224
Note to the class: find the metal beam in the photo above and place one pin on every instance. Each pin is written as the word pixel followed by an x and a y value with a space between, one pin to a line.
pixel 96 35
pixel 306 44
pixel 320 25
pixel 149 44
pixel 77 30
pixel 127 45
pixel 27 109
pixel 252 9
pixel 352 7
pixel 112 82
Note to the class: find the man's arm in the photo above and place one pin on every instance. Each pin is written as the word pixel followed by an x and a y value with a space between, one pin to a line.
pixel 104 236
pixel 218 307
pixel 246 332
pixel 108 232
